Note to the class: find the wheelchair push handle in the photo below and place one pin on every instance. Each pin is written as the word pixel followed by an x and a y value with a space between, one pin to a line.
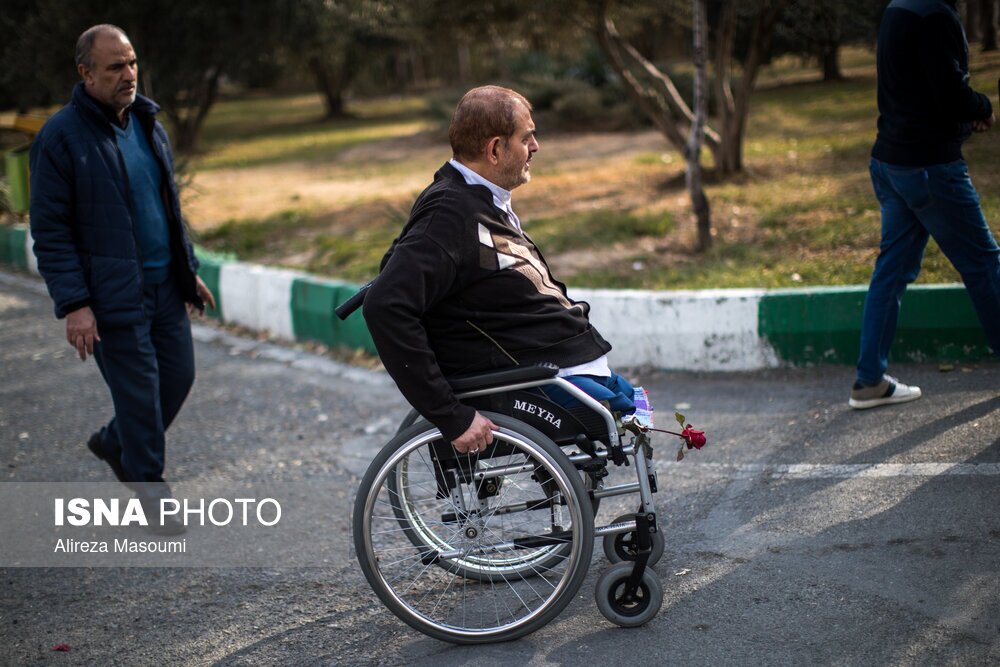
pixel 345 309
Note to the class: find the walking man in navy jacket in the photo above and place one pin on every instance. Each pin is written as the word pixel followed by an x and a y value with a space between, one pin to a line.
pixel 115 255
pixel 926 111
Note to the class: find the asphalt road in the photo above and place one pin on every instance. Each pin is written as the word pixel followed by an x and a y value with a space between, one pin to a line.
pixel 804 533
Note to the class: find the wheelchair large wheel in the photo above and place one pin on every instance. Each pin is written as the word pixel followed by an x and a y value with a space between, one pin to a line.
pixel 414 525
pixel 413 507
pixel 505 538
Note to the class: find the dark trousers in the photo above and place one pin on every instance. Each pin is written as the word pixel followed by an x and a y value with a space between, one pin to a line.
pixel 149 368
pixel 917 203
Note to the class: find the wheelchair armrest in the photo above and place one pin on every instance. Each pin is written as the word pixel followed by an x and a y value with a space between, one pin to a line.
pixel 503 377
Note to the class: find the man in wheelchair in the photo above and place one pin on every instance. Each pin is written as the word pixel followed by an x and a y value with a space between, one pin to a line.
pixel 463 289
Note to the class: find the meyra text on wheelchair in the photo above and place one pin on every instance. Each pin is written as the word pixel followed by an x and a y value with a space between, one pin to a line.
pixel 488 547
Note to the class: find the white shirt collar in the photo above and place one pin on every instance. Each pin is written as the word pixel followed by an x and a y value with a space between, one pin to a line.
pixel 501 197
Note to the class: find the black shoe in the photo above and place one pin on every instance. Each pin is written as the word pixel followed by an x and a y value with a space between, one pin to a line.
pixel 94 445
pixel 170 524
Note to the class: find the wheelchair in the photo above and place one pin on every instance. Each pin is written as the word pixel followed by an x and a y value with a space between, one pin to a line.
pixel 489 547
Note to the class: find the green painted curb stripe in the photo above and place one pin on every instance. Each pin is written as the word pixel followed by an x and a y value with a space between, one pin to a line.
pixel 313 302
pixel 13 245
pixel 17 247
pixel 5 234
pixel 823 325
pixel 16 166
pixel 210 272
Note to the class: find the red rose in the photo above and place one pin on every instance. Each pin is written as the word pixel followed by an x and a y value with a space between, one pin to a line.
pixel 693 437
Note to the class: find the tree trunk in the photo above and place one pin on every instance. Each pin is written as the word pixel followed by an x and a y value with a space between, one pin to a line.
pixel 655 93
pixel 188 116
pixel 988 21
pixel 972 20
pixel 831 62
pixel 725 37
pixel 699 202
pixel 419 71
pixel 331 82
pixel 736 111
pixel 463 58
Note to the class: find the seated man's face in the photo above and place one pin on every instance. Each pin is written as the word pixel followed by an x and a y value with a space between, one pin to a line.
pixel 516 151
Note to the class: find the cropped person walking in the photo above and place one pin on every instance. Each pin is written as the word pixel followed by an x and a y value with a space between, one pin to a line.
pixel 926 111
pixel 115 255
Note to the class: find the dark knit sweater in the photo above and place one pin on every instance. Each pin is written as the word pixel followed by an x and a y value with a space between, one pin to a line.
pixel 461 290
pixel 925 104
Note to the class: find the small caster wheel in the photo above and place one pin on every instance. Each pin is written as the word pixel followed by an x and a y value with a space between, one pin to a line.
pixel 621 547
pixel 628 613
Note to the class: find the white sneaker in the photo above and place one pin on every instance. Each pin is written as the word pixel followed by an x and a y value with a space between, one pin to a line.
pixel 888 391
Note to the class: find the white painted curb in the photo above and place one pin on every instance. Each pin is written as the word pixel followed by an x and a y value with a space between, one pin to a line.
pixel 713 330
pixel 258 297
pixel 29 250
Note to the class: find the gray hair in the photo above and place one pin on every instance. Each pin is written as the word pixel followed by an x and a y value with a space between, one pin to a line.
pixel 85 44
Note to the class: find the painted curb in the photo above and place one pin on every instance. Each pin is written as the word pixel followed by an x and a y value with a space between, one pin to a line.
pixel 258 297
pixel 823 325
pixel 705 329
pixel 711 330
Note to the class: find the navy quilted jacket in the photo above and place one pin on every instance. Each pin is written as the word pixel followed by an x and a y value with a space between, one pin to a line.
pixel 81 218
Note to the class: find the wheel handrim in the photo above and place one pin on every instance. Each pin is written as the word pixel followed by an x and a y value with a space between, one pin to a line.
pixel 516 564
pixel 494 606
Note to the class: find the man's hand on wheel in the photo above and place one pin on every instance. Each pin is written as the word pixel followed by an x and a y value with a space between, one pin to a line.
pixel 477 437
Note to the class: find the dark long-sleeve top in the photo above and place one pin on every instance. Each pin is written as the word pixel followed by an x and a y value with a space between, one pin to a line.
pixel 926 107
pixel 461 291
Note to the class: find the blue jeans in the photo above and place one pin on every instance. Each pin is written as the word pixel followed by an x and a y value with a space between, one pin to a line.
pixel 918 202
pixel 616 390
pixel 149 369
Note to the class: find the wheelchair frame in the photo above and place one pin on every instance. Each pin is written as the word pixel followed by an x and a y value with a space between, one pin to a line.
pixel 472 499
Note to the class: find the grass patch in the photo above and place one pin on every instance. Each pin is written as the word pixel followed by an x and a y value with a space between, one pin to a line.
pixel 252 238
pixel 260 131
pixel 304 240
pixel 600 228
pixel 355 257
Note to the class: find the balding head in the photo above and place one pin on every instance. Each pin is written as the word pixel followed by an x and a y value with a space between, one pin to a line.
pixel 85 43
pixel 484 113
pixel 107 64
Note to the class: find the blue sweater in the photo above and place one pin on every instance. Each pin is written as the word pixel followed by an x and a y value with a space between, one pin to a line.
pixel 145 179
pixel 925 104
pixel 83 219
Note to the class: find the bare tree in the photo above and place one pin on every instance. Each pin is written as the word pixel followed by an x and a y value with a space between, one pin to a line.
pixel 658 97
pixel 699 202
